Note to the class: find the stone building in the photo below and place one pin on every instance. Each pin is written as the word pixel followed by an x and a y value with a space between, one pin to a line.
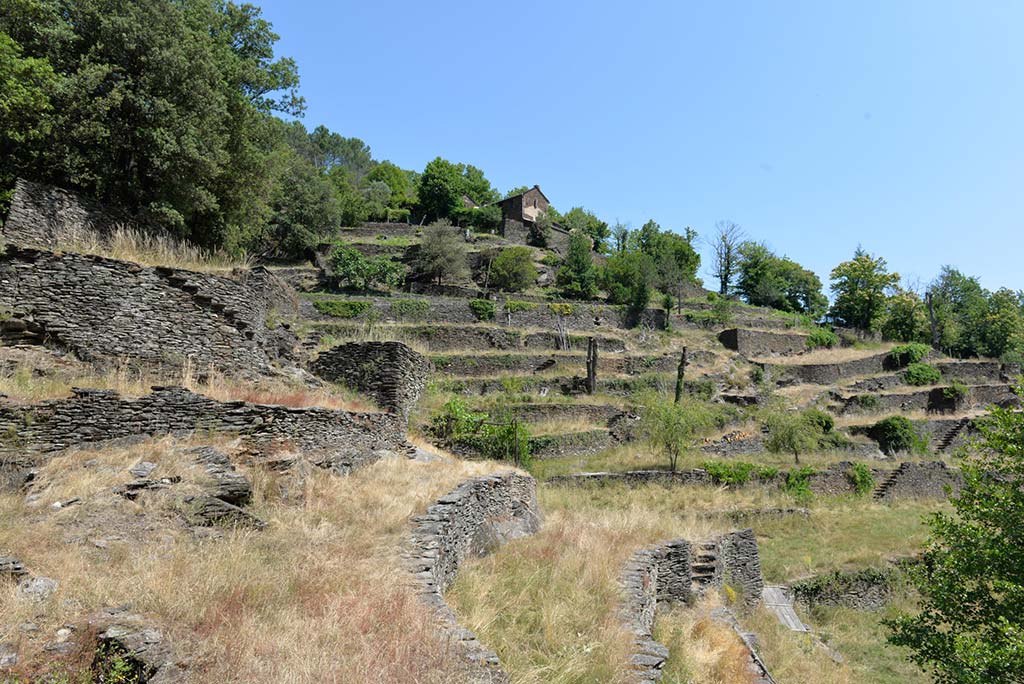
pixel 518 214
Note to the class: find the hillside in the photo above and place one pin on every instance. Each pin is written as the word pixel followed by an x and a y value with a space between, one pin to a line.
pixel 266 474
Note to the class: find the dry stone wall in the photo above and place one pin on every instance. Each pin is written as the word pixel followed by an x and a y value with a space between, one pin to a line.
pixel 337 439
pixel 932 399
pixel 107 311
pixel 472 520
pixel 752 343
pixel 831 373
pixel 46 217
pixel 389 372
pixel 674 572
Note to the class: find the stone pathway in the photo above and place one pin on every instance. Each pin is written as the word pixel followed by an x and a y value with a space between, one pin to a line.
pixel 779 601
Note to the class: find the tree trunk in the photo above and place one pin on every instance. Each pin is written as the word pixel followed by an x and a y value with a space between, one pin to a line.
pixel 931 319
pixel 681 376
pixel 591 365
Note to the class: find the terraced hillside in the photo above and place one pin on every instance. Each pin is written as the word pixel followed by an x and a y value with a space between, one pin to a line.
pixel 448 484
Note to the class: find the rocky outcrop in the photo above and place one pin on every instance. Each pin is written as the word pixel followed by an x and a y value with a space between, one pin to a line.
pixel 390 373
pixel 340 440
pixel 127 641
pixel 472 520
pixel 108 312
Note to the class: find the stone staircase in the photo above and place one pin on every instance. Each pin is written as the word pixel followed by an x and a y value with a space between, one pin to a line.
pixel 704 568
pixel 883 487
pixel 951 434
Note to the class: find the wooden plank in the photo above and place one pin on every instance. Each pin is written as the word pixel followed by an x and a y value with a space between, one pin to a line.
pixel 778 602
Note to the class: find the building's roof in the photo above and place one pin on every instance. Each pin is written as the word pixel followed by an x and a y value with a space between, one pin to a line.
pixel 535 187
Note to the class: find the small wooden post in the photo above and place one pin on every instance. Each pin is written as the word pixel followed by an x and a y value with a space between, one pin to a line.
pixel 515 438
pixel 681 376
pixel 591 365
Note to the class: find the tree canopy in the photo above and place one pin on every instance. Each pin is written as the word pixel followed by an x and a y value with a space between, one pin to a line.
pixel 860 287
pixel 765 279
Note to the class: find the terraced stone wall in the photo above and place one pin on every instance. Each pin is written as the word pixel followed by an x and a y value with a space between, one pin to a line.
pixel 868 589
pixel 664 573
pixel 46 217
pixel 107 311
pixel 831 373
pixel 389 372
pixel 751 343
pixel 338 439
pixel 934 400
pixel 472 520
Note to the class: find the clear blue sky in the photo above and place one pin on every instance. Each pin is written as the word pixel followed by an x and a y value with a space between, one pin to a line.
pixel 817 126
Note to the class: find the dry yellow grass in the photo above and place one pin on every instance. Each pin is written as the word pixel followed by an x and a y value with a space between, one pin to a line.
pixel 32 376
pixel 700 648
pixel 837 355
pixel 150 248
pixel 318 596
pixel 548 603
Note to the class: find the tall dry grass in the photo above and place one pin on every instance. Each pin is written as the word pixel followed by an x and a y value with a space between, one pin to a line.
pixel 318 596
pixel 701 649
pixel 152 248
pixel 43 377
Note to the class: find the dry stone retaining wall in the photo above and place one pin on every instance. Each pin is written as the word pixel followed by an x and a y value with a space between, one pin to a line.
pixel 389 372
pixel 338 439
pixel 106 311
pixel 751 343
pixel 831 373
pixel 472 520
pixel 46 217
pixel 932 399
pixel 665 572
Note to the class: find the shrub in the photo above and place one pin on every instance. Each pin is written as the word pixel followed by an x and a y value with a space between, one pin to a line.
pixel 515 306
pixel 798 483
pixel 956 391
pixel 499 439
pixel 672 427
pixel 862 479
pixel 909 353
pixel 483 309
pixel 341 308
pixel 737 472
pixel 550 259
pixel 442 253
pixel 790 432
pixel 513 270
pixel 821 337
pixel 819 419
pixel 349 268
pixel 410 308
pixel 867 402
pixel 919 374
pixel 896 434
pixel 561 308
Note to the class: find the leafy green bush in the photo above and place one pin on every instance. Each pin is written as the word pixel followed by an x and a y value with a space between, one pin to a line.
pixel 896 434
pixel 410 309
pixel 561 308
pixel 862 478
pixel 819 419
pixel 920 374
pixel 821 337
pixel 550 259
pixel 956 391
pixel 350 269
pixel 798 483
pixel 483 309
pixel 499 439
pixel 905 354
pixel 737 472
pixel 791 432
pixel 515 306
pixel 341 308
pixel 513 270
pixel 867 402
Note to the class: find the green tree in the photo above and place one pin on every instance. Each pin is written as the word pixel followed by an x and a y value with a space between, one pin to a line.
pixel 764 279
pixel 586 222
pixel 970 626
pixel 440 189
pixel 25 110
pixel 442 253
pixel 860 287
pixel 305 209
pixel 672 427
pixel 794 432
pixel 332 150
pixel 906 318
pixel 539 232
pixel 578 278
pixel 395 178
pixel 513 270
